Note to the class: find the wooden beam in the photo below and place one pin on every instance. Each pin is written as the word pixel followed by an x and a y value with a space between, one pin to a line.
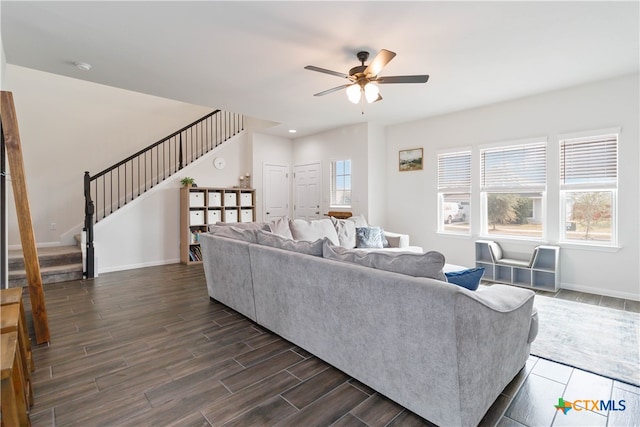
pixel 25 224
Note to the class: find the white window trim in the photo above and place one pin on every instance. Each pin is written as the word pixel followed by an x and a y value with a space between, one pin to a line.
pixel 562 238
pixel 453 190
pixel 484 230
pixel 331 180
pixel 613 245
pixel 589 134
pixel 484 224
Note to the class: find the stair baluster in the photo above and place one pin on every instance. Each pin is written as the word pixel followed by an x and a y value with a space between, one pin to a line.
pixel 188 144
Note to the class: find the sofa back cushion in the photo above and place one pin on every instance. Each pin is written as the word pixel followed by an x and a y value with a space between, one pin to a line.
pixel 359 220
pixel 242 225
pixel 233 232
pixel 314 230
pixel 280 226
pixel 429 264
pixel 275 241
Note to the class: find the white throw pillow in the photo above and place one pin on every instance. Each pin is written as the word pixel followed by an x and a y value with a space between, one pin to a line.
pixel 314 230
pixel 346 232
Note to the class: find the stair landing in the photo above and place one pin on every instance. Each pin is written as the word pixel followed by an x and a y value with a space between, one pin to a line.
pixel 57 264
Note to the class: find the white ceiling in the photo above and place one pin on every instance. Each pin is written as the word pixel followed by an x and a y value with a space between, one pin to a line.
pixel 248 57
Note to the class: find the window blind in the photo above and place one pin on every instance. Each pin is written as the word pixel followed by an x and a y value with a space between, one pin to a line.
pixel 589 160
pixel 514 166
pixel 454 171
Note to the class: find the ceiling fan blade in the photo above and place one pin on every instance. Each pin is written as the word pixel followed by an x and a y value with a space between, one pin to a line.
pixel 377 64
pixel 402 79
pixel 328 91
pixel 323 70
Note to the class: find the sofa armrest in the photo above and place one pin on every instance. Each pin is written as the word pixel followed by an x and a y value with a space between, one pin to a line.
pixel 503 298
pixel 397 240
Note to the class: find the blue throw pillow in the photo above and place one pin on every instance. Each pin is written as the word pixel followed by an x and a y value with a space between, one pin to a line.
pixel 469 279
pixel 370 237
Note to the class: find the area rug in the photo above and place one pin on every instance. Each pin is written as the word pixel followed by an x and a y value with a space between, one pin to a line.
pixel 597 339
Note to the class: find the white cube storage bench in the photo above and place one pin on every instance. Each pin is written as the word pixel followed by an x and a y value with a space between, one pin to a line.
pixel 539 271
pixel 201 207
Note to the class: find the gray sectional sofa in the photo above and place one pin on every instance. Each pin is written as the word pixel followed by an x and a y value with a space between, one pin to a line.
pixel 442 351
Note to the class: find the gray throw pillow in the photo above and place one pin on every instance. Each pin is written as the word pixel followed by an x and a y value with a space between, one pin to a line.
pixel 232 232
pixel 346 230
pixel 370 237
pixel 429 264
pixel 275 241
pixel 313 230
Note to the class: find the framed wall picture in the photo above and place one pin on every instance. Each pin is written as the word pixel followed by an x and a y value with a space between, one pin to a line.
pixel 410 160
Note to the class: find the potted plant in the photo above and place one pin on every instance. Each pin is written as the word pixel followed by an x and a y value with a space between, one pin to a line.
pixel 187 181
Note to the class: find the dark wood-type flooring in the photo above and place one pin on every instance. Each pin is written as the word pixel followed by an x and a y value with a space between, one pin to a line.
pixel 147 347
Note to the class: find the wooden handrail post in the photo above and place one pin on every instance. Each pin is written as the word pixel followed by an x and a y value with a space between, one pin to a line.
pixel 25 224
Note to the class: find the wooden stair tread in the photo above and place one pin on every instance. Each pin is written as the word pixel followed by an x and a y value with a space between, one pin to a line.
pixel 55 269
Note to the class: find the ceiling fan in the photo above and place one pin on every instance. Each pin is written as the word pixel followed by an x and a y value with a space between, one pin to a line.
pixel 363 79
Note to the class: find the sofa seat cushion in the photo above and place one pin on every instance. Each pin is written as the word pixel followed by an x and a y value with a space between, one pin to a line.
pixel 429 264
pixel 314 230
pixel 468 278
pixel 276 241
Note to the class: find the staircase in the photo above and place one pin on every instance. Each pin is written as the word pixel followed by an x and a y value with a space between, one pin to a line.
pixel 114 187
pixel 57 264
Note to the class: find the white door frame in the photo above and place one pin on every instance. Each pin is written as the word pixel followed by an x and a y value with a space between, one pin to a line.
pixel 265 166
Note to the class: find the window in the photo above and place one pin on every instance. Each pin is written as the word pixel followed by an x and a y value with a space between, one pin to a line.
pixel 588 189
pixel 341 183
pixel 454 188
pixel 513 185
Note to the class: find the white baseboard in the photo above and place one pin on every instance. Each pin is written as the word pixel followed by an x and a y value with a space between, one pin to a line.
pixel 38 245
pixel 601 291
pixel 133 266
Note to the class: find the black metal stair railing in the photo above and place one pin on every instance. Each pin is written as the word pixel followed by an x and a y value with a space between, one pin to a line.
pixel 114 187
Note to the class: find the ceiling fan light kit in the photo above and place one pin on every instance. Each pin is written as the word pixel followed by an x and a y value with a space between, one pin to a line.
pixel 363 78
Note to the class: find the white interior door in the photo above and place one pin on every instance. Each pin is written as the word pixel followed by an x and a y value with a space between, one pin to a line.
pixel 276 191
pixel 307 192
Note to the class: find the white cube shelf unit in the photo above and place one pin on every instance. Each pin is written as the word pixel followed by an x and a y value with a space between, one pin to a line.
pixel 201 207
pixel 539 272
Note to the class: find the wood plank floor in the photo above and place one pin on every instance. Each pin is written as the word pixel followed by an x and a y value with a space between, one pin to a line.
pixel 147 347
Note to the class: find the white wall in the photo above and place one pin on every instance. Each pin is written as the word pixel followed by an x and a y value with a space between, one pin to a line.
pixel 349 142
pixel 412 196
pixel 377 175
pixel 68 126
